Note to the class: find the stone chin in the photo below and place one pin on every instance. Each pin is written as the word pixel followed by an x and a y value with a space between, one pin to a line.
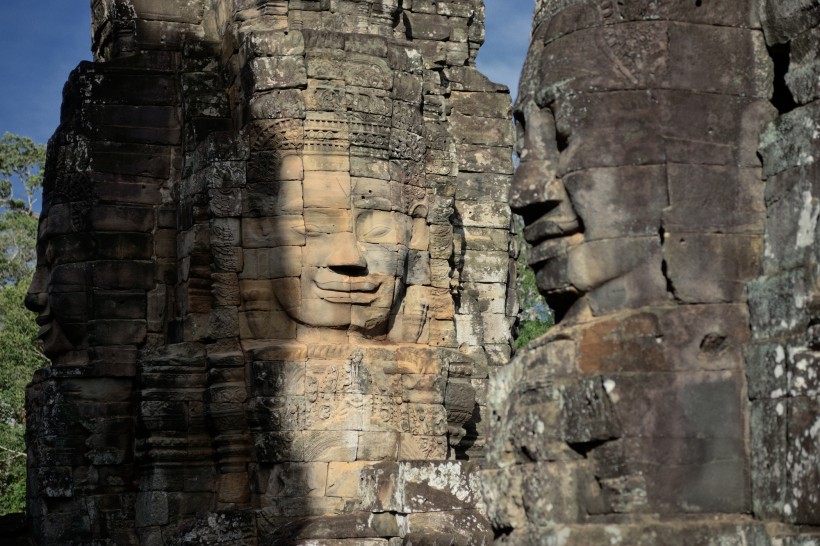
pixel 54 341
pixel 360 303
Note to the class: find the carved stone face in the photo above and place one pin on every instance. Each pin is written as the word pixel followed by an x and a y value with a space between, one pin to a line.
pixel 326 221
pixel 58 294
pixel 336 257
pixel 630 169
pixel 352 262
pixel 595 230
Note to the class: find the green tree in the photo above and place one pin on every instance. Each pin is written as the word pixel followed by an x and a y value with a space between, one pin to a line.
pixel 18 239
pixel 21 165
pixel 20 356
pixel 21 160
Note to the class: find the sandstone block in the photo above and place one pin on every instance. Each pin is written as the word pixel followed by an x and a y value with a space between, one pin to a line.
pixel 278 378
pixel 768 461
pixel 280 72
pixel 122 218
pixel 297 480
pixel 329 446
pixel 610 131
pixel 461 527
pixel 274 43
pixel 640 192
pixel 343 478
pixel 333 530
pixel 377 446
pixel 278 104
pixel 273 231
pixel 482 186
pixel 418 448
pixel 724 264
pixel 484 159
pixel 487 266
pixel 423 388
pixel 784 20
pixel 427 26
pixel 419 486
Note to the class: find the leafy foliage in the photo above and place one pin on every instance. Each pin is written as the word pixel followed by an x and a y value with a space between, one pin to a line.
pixel 531 329
pixel 21 160
pixel 535 316
pixel 19 357
pixel 21 164
pixel 18 239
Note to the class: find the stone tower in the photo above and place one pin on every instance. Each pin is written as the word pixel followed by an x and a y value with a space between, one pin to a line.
pixel 674 232
pixel 272 271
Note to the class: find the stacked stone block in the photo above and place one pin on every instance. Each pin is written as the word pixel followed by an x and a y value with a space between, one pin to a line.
pixel 310 251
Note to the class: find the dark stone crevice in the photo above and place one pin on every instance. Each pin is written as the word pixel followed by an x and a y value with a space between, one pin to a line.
pixel 585 448
pixel 670 285
pixel 782 97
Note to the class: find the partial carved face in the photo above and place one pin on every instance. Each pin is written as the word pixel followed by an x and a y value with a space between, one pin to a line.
pixel 591 184
pixel 58 293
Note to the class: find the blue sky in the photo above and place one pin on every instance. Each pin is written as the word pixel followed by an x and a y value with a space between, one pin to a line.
pixel 43 40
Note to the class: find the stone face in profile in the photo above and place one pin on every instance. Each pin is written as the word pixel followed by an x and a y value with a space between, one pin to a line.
pixel 642 195
pixel 273 261
pixel 617 170
pixel 642 191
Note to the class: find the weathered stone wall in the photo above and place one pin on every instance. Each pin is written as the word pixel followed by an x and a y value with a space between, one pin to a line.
pixel 274 253
pixel 782 361
pixel 667 406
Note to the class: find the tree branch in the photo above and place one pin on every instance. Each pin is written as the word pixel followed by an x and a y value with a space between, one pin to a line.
pixel 14 452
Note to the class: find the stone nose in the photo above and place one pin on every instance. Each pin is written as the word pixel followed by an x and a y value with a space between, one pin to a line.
pixel 346 254
pixel 536 184
pixel 536 187
pixel 36 298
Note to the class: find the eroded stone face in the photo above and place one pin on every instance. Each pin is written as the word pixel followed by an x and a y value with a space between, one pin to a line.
pixel 61 308
pixel 336 244
pixel 643 195
pixel 350 262
pixel 636 138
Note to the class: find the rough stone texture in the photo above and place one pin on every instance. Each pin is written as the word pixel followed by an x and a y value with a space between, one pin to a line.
pixel 782 361
pixel 273 268
pixel 676 400
pixel 273 260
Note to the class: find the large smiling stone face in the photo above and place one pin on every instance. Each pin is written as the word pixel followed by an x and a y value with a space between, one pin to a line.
pixel 350 261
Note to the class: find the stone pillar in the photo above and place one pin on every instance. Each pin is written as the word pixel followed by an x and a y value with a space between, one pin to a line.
pixel 782 362
pixel 288 279
pixel 646 204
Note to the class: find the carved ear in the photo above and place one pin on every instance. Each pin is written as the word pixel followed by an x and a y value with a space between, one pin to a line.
pixel 419 210
pixel 415 201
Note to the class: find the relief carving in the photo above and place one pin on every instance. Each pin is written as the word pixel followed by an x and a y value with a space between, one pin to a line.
pixel 296 294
